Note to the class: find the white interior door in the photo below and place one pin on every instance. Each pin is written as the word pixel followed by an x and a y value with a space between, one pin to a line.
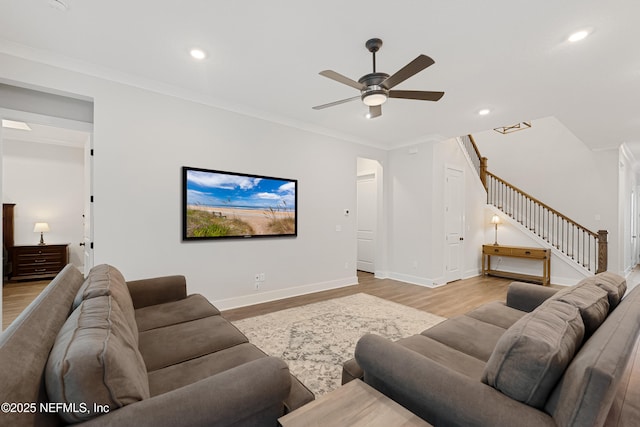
pixel 87 217
pixel 366 219
pixel 454 223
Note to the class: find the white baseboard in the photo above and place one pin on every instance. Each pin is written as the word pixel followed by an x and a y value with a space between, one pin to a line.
pixel 260 297
pixel 414 280
pixel 381 274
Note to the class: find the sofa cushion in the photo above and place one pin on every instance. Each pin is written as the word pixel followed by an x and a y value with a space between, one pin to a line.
pixel 585 393
pixel 95 360
pixel 497 313
pixel 104 280
pixel 192 307
pixel 190 371
pixel 458 361
pixel 592 301
pixel 162 347
pixel 468 335
pixel 533 354
pixel 614 284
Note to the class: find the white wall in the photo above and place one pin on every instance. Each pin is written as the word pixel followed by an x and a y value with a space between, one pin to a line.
pixel 626 187
pixel 142 139
pixel 410 214
pixel 416 212
pixel 548 162
pixel 449 153
pixel 46 182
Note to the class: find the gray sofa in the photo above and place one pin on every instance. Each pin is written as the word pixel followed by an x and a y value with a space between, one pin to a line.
pixel 543 358
pixel 103 351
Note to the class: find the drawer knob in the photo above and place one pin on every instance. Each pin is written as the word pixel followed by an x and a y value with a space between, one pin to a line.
pixel 527 252
pixel 496 250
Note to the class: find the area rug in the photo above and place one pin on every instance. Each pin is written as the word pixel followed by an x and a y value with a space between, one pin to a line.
pixel 316 339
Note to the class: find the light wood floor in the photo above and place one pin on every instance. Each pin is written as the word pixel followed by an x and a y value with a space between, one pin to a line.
pixel 16 296
pixel 450 300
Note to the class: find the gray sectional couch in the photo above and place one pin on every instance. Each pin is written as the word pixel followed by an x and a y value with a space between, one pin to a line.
pixel 543 358
pixel 103 351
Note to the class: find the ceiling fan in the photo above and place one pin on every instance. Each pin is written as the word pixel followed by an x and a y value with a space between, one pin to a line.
pixel 375 88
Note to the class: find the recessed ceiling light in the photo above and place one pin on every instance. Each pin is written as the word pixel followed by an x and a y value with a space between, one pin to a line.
pixel 198 54
pixel 15 125
pixel 484 111
pixel 578 35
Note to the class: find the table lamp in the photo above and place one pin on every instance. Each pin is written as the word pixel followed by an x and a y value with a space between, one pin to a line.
pixel 41 227
pixel 496 220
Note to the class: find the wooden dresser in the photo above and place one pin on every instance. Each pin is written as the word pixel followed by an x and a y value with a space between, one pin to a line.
pixel 38 261
pixel 536 254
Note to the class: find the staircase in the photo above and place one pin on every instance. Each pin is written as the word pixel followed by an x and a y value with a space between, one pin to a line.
pixel 579 244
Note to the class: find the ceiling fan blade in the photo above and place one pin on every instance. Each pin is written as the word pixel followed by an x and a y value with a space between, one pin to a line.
pixel 331 104
pixel 413 67
pixel 375 111
pixel 342 79
pixel 416 94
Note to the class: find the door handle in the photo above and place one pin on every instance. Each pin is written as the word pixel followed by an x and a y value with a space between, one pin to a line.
pixel 82 244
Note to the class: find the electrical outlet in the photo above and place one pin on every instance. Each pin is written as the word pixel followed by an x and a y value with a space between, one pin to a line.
pixel 257 286
pixel 257 277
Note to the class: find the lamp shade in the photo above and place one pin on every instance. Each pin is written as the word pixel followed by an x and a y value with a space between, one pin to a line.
pixel 41 227
pixel 495 219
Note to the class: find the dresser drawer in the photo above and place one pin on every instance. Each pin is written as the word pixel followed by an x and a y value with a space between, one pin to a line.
pixel 496 250
pixel 38 256
pixel 43 268
pixel 529 253
pixel 38 262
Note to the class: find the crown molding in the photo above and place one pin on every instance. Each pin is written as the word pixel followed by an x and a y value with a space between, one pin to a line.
pixel 106 73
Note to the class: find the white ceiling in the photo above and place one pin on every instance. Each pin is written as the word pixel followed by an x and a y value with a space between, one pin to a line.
pixel 45 134
pixel 510 56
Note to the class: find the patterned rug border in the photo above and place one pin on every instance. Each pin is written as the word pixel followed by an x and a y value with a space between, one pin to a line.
pixel 317 338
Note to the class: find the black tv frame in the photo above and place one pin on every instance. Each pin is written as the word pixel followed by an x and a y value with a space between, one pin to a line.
pixel 244 203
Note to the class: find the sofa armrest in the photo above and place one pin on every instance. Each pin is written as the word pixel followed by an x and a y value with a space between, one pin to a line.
pixel 527 296
pixel 251 393
pixel 436 393
pixel 157 290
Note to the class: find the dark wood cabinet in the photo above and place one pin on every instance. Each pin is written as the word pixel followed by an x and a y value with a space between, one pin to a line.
pixel 7 224
pixel 38 261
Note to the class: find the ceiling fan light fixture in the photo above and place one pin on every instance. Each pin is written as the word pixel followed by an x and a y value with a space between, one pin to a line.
pixel 374 99
pixel 374 96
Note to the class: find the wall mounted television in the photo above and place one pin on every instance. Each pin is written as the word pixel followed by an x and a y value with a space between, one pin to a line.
pixel 220 205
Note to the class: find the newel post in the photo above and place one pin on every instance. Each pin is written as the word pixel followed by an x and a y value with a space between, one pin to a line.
pixel 483 171
pixel 603 256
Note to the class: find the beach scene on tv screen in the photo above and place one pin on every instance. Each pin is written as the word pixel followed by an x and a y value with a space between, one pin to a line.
pixel 224 204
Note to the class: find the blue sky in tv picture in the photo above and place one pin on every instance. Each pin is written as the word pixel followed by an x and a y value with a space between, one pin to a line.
pixel 225 190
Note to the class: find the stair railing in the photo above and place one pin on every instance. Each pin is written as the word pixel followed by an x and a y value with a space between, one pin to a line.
pixel 479 162
pixel 585 247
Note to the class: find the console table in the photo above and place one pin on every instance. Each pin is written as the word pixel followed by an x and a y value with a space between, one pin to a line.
pixel 353 404
pixel 38 261
pixel 537 254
